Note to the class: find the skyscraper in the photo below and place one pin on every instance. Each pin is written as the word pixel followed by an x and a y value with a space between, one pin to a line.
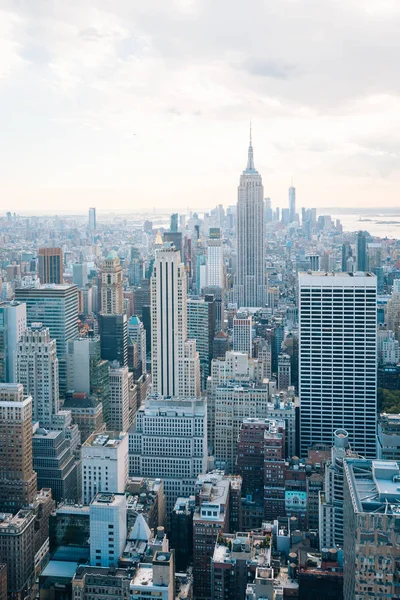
pixel 17 477
pixel 251 281
pixel 170 350
pixel 337 322
pixel 361 252
pixel 51 268
pixel 215 259
pixel 201 313
pixel 12 326
pixel 175 428
pixel 112 286
pixel 292 204
pixel 37 370
pixel 56 307
pixel 79 274
pixel 92 219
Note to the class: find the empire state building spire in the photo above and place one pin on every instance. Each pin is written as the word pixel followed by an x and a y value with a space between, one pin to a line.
pixel 250 157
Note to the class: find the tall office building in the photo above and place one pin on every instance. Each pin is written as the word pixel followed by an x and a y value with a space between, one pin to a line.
pixel 17 550
pixel 174 222
pixel 330 505
pixel 338 353
pixel 215 259
pixel 346 254
pixel 201 315
pixel 56 307
pixel 114 338
pixel 120 383
pixel 104 464
pixel 36 366
pixel 361 252
pixel 12 326
pixel 251 280
pixel 169 440
pixel 50 264
pixel 242 334
pixel 112 285
pixel 92 219
pixel 18 480
pixel 79 274
pixel 169 343
pixel 292 204
pixel 137 333
pixel 108 530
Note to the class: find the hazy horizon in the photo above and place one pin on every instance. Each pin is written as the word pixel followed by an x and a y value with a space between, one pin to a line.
pixel 129 104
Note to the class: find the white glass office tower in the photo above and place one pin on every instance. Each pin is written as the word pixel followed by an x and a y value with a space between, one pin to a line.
pixel 337 320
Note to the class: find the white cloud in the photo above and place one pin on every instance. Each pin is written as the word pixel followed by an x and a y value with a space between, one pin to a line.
pixel 320 80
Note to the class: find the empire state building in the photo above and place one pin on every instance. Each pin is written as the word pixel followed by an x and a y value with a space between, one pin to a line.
pixel 250 289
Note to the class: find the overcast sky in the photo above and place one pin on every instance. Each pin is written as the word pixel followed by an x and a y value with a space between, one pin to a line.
pixel 135 104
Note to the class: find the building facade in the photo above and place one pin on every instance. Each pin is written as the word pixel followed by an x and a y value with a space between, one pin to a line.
pixel 36 366
pixel 18 480
pixel 169 440
pixel 251 283
pixel 337 321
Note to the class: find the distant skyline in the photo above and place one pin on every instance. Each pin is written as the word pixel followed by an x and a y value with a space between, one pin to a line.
pixel 124 105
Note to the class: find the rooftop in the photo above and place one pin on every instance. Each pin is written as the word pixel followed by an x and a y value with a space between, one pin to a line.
pixel 58 568
pixel 107 498
pixel 108 439
pixel 374 485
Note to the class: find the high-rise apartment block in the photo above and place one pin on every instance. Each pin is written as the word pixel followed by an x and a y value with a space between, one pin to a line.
pixel 17 477
pixel 104 464
pixel 174 359
pixel 108 529
pixel 56 307
pixel 337 321
pixel 251 283
pixel 92 219
pixel 51 267
pixel 12 326
pixel 37 369
pixel 169 440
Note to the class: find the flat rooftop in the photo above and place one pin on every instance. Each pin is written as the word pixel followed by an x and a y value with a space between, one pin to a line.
pixel 108 439
pixel 108 499
pixel 375 485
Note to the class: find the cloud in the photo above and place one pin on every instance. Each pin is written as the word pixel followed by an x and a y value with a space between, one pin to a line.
pixel 267 68
pixel 319 79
